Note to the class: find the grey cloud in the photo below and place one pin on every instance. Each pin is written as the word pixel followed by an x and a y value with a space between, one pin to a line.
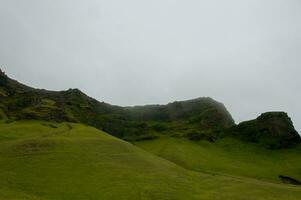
pixel 243 53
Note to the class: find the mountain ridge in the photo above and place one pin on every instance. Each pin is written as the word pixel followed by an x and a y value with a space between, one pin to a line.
pixel 199 118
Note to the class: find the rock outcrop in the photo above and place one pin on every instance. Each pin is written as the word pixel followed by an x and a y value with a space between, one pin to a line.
pixel 273 129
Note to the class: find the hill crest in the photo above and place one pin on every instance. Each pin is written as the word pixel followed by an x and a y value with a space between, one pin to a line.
pixel 181 118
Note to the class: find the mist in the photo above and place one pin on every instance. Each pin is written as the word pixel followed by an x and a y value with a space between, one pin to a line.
pixel 245 54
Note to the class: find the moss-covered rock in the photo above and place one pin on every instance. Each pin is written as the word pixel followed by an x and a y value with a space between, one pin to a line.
pixel 273 129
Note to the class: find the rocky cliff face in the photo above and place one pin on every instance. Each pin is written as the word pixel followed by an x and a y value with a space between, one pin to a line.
pixel 273 129
pixel 204 111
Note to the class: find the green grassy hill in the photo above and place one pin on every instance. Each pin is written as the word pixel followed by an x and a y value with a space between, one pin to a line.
pixel 61 145
pixel 63 161
pixel 229 157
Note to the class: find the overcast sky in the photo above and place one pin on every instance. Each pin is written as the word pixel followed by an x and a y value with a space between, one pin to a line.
pixel 244 53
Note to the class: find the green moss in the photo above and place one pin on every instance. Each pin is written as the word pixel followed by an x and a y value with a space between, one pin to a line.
pixel 48 102
pixel 2 92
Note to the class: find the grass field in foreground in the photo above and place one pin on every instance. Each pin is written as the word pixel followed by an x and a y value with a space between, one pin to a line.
pixel 228 156
pixel 39 160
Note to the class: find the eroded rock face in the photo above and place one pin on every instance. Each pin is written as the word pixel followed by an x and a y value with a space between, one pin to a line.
pixel 278 124
pixel 273 129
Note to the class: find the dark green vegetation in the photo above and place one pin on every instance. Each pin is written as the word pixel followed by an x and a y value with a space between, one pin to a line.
pixel 191 149
pixel 274 130
pixel 133 123
pixel 197 119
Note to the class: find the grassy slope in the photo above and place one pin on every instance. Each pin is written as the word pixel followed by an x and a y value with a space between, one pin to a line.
pixel 78 162
pixel 228 156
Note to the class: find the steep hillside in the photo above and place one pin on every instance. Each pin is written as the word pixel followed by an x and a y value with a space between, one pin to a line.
pixel 207 112
pixel 62 161
pixel 18 102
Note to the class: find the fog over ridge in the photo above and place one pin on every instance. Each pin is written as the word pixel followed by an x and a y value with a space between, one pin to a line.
pixel 245 54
